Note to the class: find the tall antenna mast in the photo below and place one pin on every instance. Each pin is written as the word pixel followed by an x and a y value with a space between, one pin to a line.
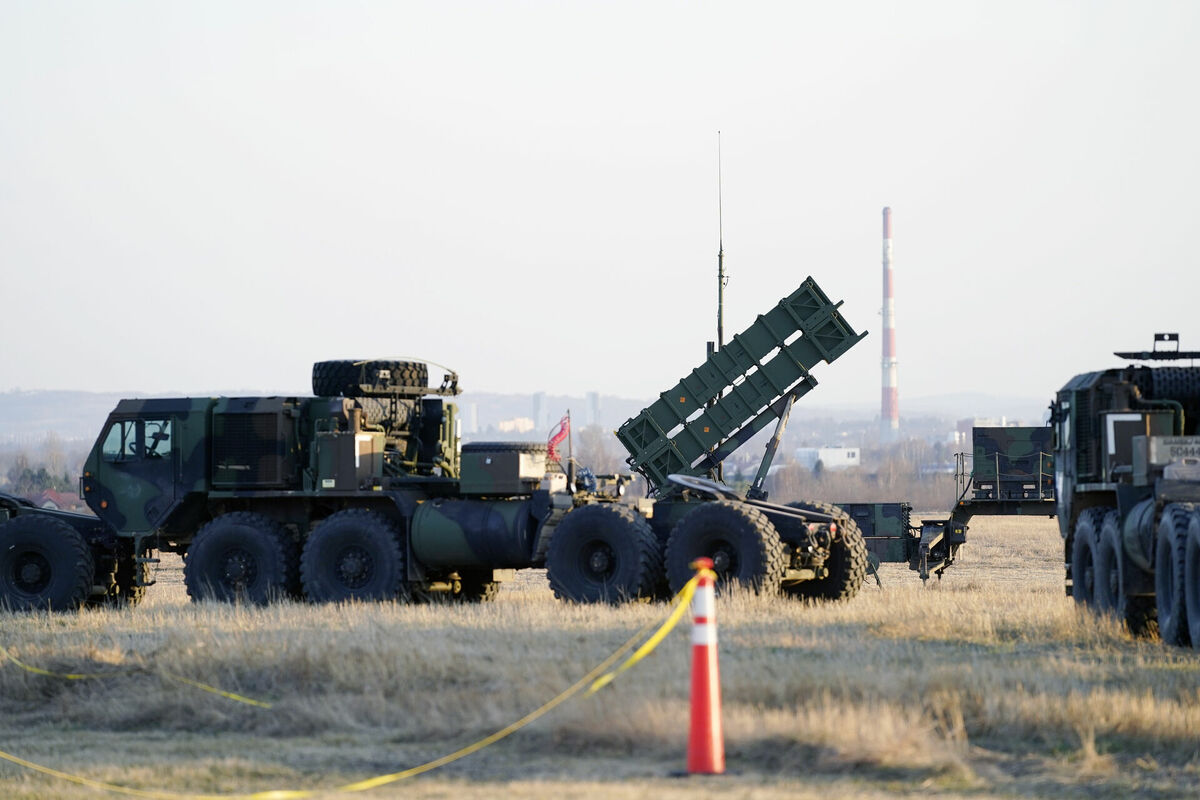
pixel 721 278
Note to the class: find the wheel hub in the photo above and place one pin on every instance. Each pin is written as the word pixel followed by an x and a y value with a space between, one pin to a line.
pixel 599 561
pixel 354 567
pixel 239 570
pixel 724 558
pixel 31 572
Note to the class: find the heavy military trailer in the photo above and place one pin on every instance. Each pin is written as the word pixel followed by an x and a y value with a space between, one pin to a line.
pixel 1127 455
pixel 1009 472
pixel 362 491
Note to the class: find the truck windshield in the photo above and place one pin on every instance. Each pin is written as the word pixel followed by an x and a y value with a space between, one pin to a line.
pixel 128 440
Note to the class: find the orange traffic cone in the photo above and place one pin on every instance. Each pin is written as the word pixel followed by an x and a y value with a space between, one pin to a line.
pixel 706 739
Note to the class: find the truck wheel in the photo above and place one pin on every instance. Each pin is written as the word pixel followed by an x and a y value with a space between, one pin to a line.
pixel 358 378
pixel 354 555
pixel 847 562
pixel 1108 567
pixel 1083 556
pixel 1191 578
pixel 238 557
pixel 44 565
pixel 1109 595
pixel 1169 580
pixel 603 552
pixel 741 541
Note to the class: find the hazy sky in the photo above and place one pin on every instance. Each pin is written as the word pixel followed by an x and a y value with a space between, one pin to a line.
pixel 213 195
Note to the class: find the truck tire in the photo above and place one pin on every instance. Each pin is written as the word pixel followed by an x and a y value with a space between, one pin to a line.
pixel 504 447
pixel 347 378
pixel 44 565
pixel 1108 567
pixel 847 562
pixel 1083 556
pixel 1177 383
pixel 603 553
pixel 354 555
pixel 1191 578
pixel 394 412
pixel 1169 579
pixel 239 557
pixel 741 541
pixel 1109 587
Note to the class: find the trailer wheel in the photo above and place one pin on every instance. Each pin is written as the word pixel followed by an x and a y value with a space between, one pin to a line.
pixel 603 553
pixel 847 562
pixel 1191 577
pixel 239 557
pixel 354 555
pixel 1169 578
pixel 348 378
pixel 1083 556
pixel 741 541
pixel 44 565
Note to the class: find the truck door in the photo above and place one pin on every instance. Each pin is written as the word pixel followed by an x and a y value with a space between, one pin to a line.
pixel 130 477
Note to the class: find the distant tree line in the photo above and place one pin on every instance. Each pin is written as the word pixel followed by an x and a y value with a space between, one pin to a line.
pixel 902 475
pixel 53 466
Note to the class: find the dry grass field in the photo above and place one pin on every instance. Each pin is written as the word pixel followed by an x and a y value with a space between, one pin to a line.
pixel 987 684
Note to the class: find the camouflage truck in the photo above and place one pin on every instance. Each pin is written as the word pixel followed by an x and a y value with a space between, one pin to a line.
pixel 1127 456
pixel 362 491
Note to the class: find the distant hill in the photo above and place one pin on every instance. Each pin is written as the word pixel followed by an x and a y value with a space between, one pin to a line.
pixel 29 416
pixel 958 405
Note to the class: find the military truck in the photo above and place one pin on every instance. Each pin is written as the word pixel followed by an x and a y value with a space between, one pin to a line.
pixel 362 491
pixel 1127 475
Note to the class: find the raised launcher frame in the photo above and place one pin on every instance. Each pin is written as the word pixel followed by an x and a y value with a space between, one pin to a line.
pixel 1011 473
pixel 739 390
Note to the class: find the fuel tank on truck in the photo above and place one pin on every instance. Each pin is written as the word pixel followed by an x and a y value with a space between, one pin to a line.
pixel 1137 534
pixel 473 533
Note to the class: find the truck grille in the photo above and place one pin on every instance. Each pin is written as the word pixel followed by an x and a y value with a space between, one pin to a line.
pixel 248 450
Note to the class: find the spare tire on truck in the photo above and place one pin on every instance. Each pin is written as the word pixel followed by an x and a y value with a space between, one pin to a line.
pixel 347 378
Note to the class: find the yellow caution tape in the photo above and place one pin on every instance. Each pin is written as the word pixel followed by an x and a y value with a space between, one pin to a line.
pixel 204 687
pixel 681 603
pixel 83 676
pixel 69 676
pixel 683 599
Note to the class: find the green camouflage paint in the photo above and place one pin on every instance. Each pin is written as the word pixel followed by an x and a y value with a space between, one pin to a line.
pixel 886 528
pixel 1013 463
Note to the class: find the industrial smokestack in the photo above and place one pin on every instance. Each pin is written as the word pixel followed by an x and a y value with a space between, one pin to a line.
pixel 889 413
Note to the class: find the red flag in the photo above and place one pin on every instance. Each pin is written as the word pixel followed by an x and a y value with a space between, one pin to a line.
pixel 556 438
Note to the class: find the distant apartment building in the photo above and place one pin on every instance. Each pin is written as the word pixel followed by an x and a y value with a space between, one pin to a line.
pixel 593 408
pixel 515 425
pixel 828 457
pixel 541 413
